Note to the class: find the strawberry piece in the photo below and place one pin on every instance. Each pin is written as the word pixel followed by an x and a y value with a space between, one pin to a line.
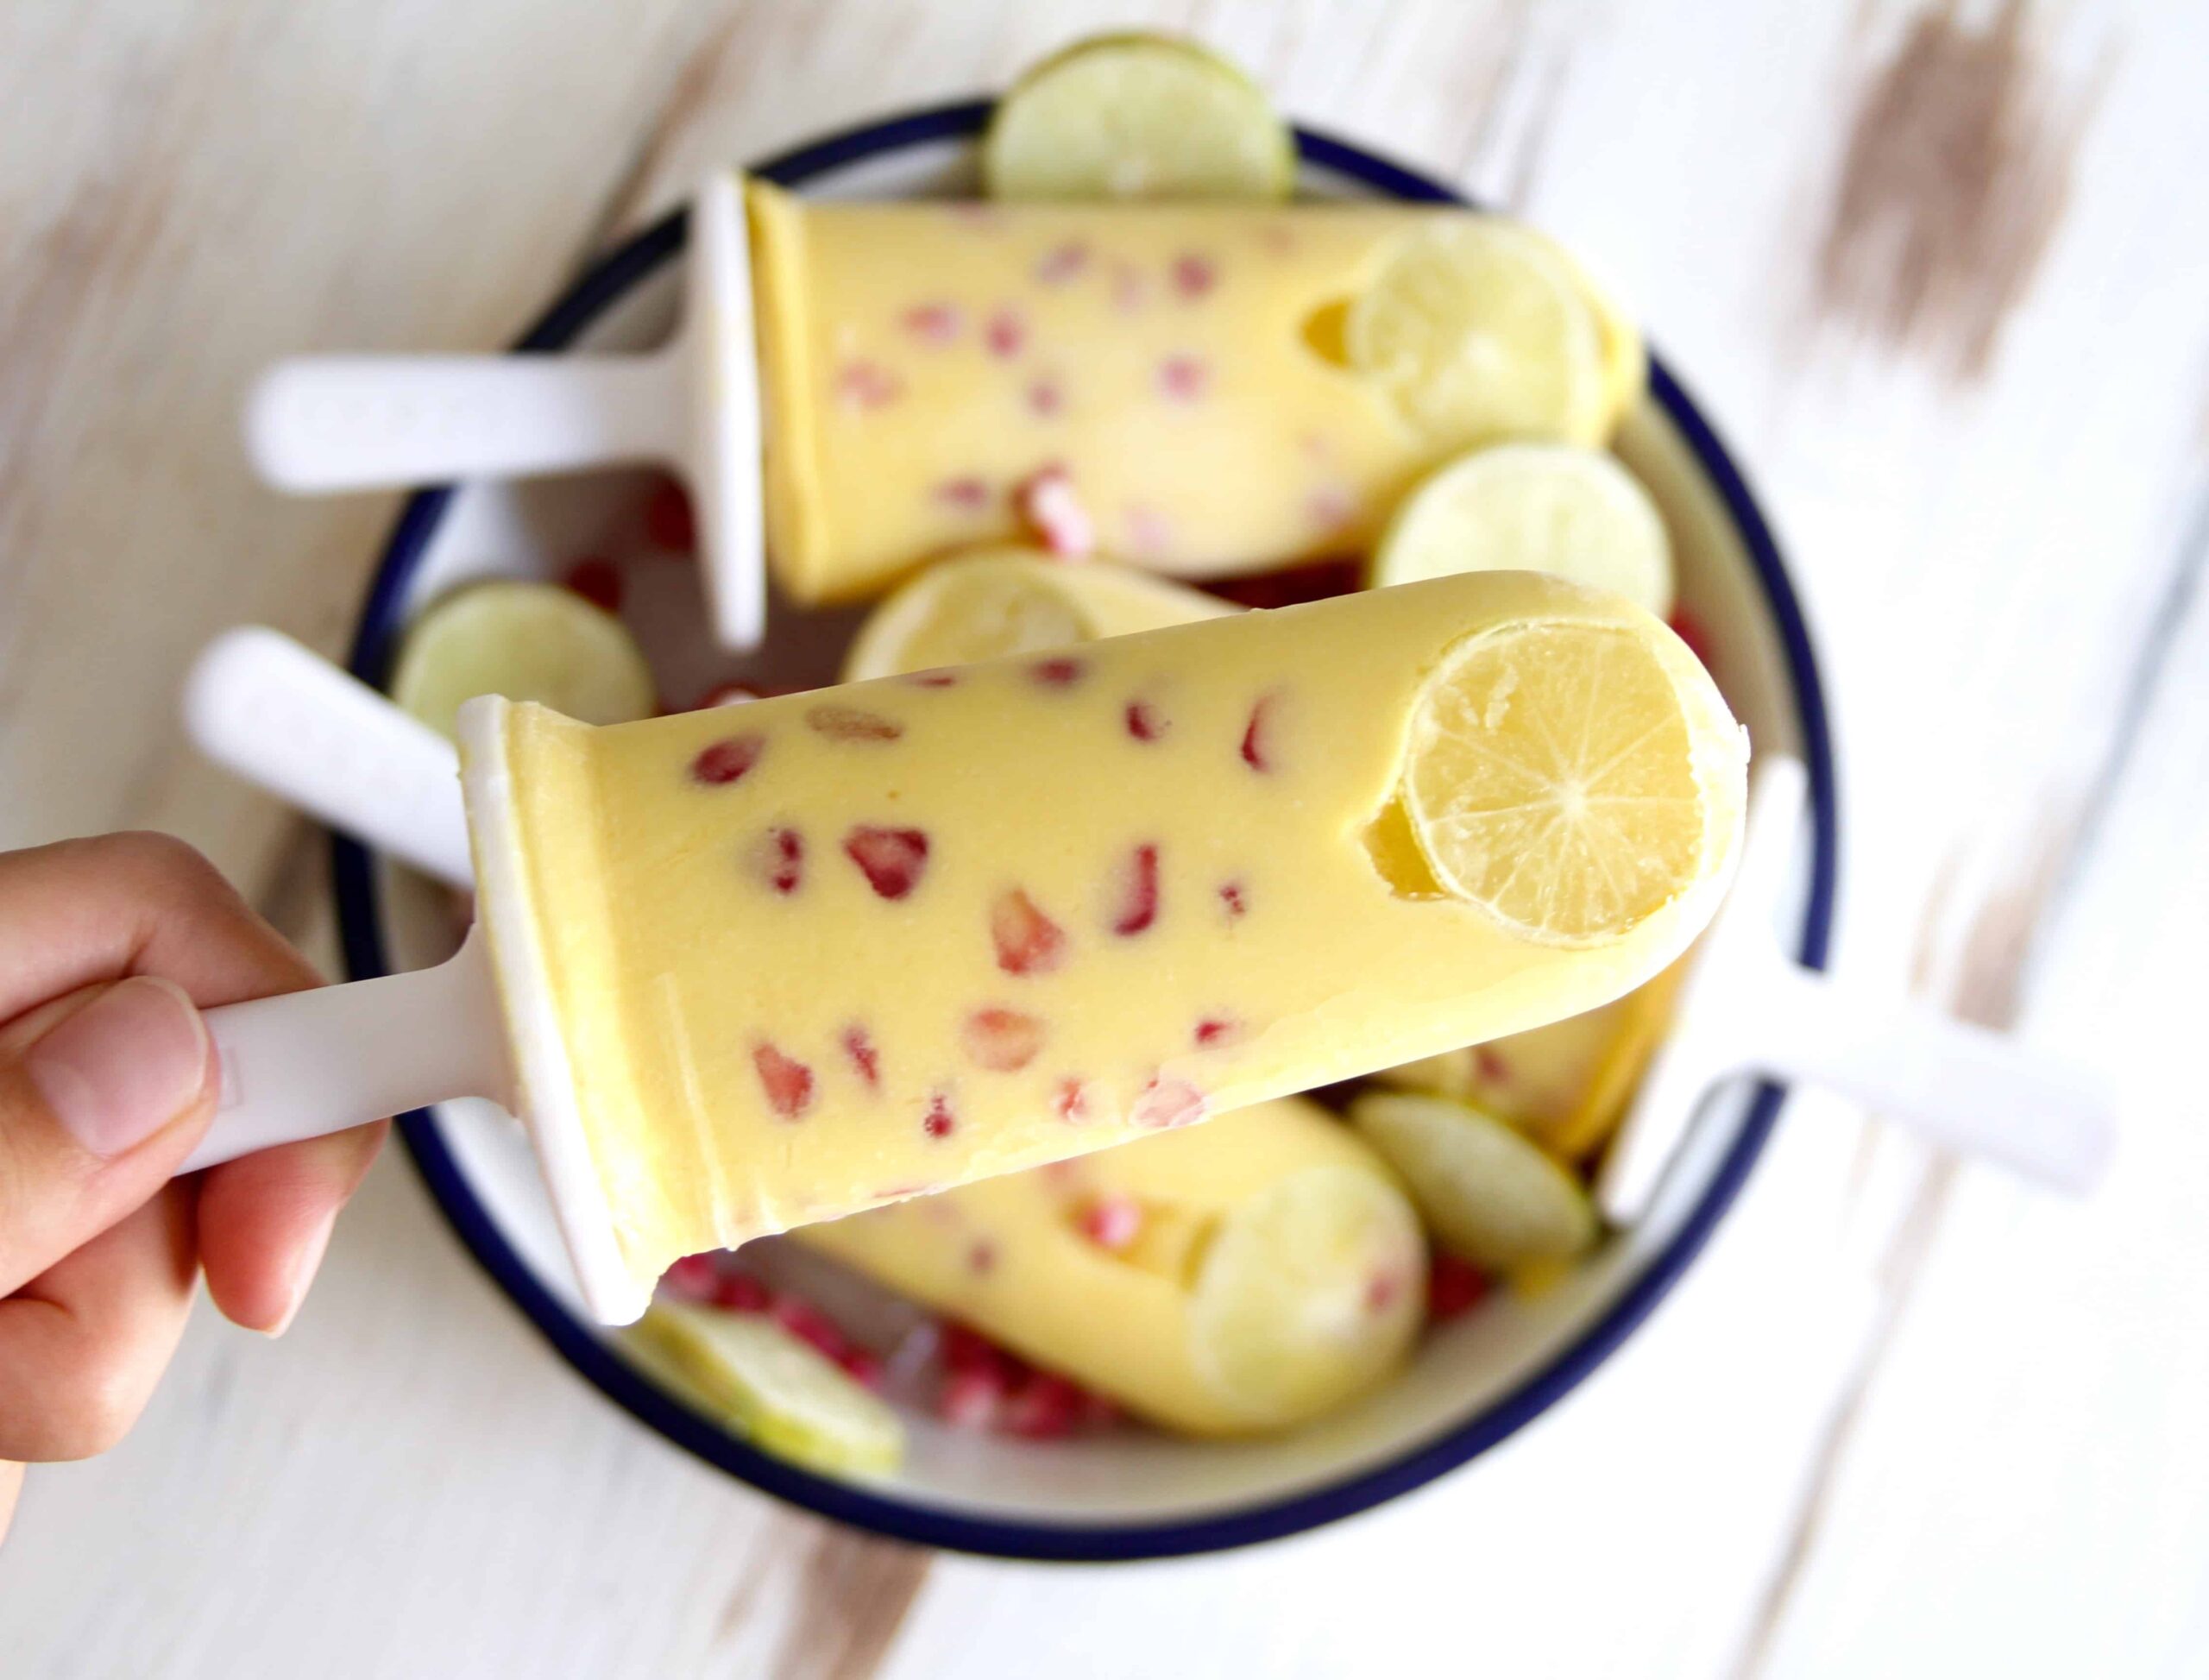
pixel 1690 629
pixel 598 581
pixel 1062 263
pixel 1183 378
pixel 1053 509
pixel 778 858
pixel 1258 742
pixel 1138 892
pixel 1454 1287
pixel 1146 722
pixel 1070 1101
pixel 787 1081
pixel 1112 1222
pixel 866 1058
pixel 1059 673
pixel 968 494
pixel 933 324
pixel 1028 942
pixel 851 723
pixel 939 1121
pixel 867 385
pixel 1237 897
pixel 694 1277
pixel 1167 1103
pixel 669 521
pixel 1044 1408
pixel 892 860
pixel 1005 333
pixel 727 760
pixel 1216 1029
pixel 1001 1039
pixel 971 1400
pixel 739 1291
pixel 1194 275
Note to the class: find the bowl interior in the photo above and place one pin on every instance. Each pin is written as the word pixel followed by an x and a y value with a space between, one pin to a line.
pixel 1129 1492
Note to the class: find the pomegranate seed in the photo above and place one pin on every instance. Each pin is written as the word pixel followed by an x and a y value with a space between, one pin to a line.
pixel 1258 736
pixel 779 858
pixel 865 1057
pixel 892 860
pixel 863 1367
pixel 1028 942
pixel 694 1275
pixel 1183 378
pixel 787 1081
pixel 968 496
pixel 1050 505
pixel 669 521
pixel 1167 1103
pixel 1236 897
pixel 1112 1222
pixel 727 760
pixel 809 1324
pixel 1138 892
pixel 1194 275
pixel 1001 1039
pixel 933 324
pixel 1454 1287
pixel 1490 1067
pixel 1214 1030
pixel 598 581
pixel 1062 263
pixel 1690 629
pixel 1061 673
pixel 965 1349
pixel 1005 332
pixel 739 1291
pixel 867 385
pixel 850 723
pixel 1043 1409
pixel 939 1121
pixel 970 1400
pixel 1145 721
pixel 1070 1101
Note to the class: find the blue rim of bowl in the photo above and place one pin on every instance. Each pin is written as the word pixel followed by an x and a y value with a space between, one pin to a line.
pixel 579 1344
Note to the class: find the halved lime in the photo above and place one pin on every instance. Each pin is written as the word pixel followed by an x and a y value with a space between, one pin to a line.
pixel 1540 507
pixel 526 641
pixel 1137 115
pixel 776 1390
pixel 1487 1193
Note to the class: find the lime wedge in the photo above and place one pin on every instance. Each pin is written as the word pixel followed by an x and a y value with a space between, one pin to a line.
pixel 1125 117
pixel 1487 1193
pixel 1309 1294
pixel 775 1390
pixel 526 641
pixel 1539 507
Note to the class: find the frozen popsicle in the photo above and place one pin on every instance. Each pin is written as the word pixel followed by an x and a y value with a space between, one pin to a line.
pixel 1172 385
pixel 1243 1275
pixel 778 965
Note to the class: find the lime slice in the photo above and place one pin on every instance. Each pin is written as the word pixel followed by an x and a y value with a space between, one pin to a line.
pixel 1537 507
pixel 526 641
pixel 1478 332
pixel 1573 777
pixel 1309 1293
pixel 1487 1193
pixel 778 1393
pixel 1136 116
pixel 995 602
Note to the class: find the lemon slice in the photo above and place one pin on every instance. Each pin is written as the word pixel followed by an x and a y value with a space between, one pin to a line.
pixel 1487 1193
pixel 1479 332
pixel 782 1395
pixel 995 602
pixel 1308 1294
pixel 1537 507
pixel 526 641
pixel 1573 777
pixel 1136 116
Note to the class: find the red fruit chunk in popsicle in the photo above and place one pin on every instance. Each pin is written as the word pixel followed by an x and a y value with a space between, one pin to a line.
pixel 727 760
pixel 892 860
pixel 787 1081
pixel 852 723
pixel 1136 906
pixel 1028 942
pixel 1001 1039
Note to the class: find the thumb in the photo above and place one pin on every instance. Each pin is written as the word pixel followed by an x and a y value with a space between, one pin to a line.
pixel 101 1094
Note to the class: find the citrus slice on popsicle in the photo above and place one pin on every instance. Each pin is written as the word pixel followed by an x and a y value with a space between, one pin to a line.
pixel 526 641
pixel 1487 1193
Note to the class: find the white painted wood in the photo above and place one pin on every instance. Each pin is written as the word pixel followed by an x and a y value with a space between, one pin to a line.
pixel 409 1483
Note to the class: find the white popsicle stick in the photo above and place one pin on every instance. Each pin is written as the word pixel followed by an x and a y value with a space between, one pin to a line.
pixel 1747 1008
pixel 287 720
pixel 353 423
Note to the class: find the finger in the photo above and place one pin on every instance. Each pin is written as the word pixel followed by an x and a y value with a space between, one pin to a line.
pixel 82 911
pixel 103 1093
pixel 82 1346
pixel 265 1219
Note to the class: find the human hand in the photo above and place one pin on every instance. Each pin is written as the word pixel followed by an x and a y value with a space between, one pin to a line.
pixel 109 948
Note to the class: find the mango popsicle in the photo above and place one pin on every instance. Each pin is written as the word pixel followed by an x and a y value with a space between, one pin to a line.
pixel 778 965
pixel 1170 382
pixel 1241 1275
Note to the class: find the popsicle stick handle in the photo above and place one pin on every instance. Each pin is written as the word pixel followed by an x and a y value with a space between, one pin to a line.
pixel 310 1063
pixel 354 423
pixel 287 720
pixel 1977 1093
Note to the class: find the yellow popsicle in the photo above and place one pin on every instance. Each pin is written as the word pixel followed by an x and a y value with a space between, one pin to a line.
pixel 780 964
pixel 1241 1275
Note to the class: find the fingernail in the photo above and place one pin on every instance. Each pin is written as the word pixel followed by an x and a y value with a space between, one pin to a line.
pixel 303 1270
pixel 124 1066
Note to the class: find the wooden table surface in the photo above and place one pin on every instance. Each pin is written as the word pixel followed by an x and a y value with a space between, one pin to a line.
pixel 1941 271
